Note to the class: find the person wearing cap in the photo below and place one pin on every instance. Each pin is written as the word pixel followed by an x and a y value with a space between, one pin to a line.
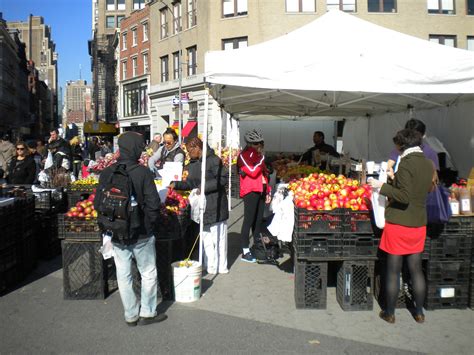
pixel 254 189
pixel 140 244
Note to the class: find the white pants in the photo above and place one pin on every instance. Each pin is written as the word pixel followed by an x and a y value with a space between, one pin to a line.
pixel 214 239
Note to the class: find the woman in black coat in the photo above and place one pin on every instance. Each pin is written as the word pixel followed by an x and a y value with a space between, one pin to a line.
pixel 214 235
pixel 22 168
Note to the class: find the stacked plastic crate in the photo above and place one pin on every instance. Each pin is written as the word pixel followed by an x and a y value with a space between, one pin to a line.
pixel 343 236
pixel 449 266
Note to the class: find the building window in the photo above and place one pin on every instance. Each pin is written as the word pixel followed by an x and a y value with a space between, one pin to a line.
pixel 193 111
pixel 124 70
pixel 192 20
pixel 470 7
pixel 110 21
pixel 119 20
pixel 135 99
pixel 177 19
pixel 124 41
pixel 164 24
pixel 300 5
pixel 138 4
pixel 120 4
pixel 232 8
pixel 441 7
pixel 192 65
pixel 134 67
pixel 176 65
pixel 134 37
pixel 145 63
pixel 343 5
pixel 447 40
pixel 110 5
pixel 164 69
pixel 382 5
pixel 234 43
pixel 145 31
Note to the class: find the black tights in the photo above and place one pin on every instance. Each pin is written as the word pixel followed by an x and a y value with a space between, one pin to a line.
pixel 254 204
pixel 394 267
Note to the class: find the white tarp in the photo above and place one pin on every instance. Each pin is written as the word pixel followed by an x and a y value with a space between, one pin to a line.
pixel 339 65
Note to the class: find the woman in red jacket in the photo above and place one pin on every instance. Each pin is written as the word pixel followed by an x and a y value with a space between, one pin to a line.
pixel 254 189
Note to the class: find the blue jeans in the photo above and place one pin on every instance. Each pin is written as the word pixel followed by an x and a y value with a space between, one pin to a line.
pixel 145 254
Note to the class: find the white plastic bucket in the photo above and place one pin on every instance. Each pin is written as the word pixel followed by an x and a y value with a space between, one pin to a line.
pixel 187 281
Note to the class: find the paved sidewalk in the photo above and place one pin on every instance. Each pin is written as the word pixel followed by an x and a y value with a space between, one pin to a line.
pixel 249 310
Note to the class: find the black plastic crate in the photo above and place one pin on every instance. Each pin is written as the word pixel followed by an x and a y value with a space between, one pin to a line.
pixel 448 271
pixel 449 246
pixel 455 225
pixel 172 225
pixel 50 200
pixel 311 284
pixel 319 222
pixel 425 255
pixel 10 234
pixel 85 272
pixel 8 258
pixel 355 285
pixel 72 228
pixel 76 193
pixel 471 287
pixel 46 230
pixel 8 278
pixel 9 212
pixel 357 222
pixel 445 296
pixel 318 246
pixel 359 245
pixel 27 254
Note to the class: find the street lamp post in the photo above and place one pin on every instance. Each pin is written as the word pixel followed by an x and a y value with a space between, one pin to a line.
pixel 180 72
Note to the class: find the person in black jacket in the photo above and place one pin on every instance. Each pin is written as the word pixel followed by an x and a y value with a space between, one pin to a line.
pixel 214 235
pixel 141 242
pixel 22 168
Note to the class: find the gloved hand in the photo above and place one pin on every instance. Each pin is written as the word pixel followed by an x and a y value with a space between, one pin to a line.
pixel 242 173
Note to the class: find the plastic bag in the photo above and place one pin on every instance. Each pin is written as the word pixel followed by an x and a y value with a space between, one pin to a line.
pixel 194 199
pixel 379 201
pixel 49 161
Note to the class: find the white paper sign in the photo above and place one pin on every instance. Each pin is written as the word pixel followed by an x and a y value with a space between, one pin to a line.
pixel 172 171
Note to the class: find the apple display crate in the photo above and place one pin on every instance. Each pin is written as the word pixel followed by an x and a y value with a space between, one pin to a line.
pixel 311 284
pixel 355 285
pixel 76 193
pixel 72 228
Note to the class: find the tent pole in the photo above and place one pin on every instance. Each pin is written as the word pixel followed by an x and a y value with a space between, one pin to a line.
pixel 229 146
pixel 203 171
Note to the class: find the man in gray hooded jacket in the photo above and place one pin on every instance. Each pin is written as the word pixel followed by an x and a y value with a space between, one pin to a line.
pixel 7 152
pixel 141 242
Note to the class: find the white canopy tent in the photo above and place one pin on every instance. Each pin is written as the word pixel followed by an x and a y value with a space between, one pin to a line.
pixel 338 65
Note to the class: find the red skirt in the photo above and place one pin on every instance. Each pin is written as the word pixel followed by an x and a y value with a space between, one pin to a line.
pixel 401 240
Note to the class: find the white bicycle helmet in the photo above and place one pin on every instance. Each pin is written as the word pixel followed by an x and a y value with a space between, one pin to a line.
pixel 253 136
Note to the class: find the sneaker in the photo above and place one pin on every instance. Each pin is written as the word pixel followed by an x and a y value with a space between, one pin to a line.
pixel 132 324
pixel 249 258
pixel 160 317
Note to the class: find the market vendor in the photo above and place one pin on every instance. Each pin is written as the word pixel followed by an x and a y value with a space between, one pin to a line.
pixel 309 157
pixel 170 151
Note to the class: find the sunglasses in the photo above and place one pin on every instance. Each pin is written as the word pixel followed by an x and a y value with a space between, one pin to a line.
pixel 20 148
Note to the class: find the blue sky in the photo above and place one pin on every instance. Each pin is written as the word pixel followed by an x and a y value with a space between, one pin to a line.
pixel 70 22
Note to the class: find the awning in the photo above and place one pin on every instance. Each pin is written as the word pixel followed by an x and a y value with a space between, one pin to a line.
pixel 188 128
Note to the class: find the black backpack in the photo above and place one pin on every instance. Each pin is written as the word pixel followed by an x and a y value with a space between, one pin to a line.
pixel 118 213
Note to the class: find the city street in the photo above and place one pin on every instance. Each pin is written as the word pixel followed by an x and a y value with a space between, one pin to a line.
pixel 250 310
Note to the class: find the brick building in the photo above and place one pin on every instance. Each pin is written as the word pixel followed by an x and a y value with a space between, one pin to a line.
pixel 134 72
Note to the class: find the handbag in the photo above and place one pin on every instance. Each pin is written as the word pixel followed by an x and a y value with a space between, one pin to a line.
pixel 437 205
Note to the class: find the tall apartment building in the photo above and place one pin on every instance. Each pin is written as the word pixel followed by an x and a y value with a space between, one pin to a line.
pixel 77 103
pixel 134 72
pixel 40 48
pixel 183 31
pixel 14 98
pixel 106 18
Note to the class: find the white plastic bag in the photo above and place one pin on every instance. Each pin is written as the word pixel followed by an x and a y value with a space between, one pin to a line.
pixel 379 201
pixel 194 200
pixel 49 161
